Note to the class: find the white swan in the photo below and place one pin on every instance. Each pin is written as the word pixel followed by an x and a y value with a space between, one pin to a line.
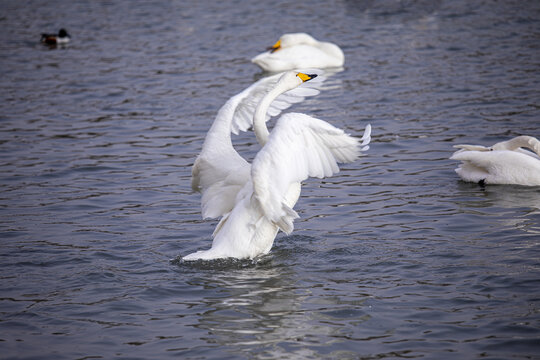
pixel 299 50
pixel 256 201
pixel 506 162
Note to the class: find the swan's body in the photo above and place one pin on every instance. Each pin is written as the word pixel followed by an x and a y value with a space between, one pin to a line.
pixel 256 201
pixel 506 162
pixel 299 50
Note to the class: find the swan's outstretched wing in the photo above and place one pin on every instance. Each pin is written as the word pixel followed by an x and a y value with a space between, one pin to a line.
pixel 298 147
pixel 219 178
pixel 248 99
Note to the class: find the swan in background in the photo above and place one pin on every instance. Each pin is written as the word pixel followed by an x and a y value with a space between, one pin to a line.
pixel 256 201
pixel 506 162
pixel 299 50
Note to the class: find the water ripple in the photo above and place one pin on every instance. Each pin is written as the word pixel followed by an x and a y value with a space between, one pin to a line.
pixel 393 257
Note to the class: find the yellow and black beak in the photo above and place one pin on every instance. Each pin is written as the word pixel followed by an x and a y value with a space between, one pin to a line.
pixel 275 47
pixel 306 77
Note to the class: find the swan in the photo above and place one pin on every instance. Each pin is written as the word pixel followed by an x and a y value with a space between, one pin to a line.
pixel 299 50
pixel 256 201
pixel 506 162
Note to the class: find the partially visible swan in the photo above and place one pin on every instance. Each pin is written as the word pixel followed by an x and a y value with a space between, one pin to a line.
pixel 256 201
pixel 299 50
pixel 506 162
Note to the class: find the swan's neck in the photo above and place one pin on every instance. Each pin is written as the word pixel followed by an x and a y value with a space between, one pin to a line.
pixel 528 142
pixel 259 119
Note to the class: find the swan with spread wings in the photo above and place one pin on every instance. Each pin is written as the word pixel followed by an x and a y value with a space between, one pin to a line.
pixel 256 201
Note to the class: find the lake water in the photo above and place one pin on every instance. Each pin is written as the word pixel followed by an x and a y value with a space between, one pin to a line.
pixel 392 258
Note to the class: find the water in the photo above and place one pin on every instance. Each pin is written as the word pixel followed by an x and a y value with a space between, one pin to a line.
pixel 392 258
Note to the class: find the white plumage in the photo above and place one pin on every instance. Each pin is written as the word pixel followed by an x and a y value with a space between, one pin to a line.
pixel 256 201
pixel 506 162
pixel 299 50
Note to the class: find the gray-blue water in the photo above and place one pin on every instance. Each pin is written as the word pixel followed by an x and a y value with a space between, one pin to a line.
pixel 392 258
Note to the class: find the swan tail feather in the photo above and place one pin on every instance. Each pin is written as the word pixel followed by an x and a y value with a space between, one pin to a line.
pixel 285 222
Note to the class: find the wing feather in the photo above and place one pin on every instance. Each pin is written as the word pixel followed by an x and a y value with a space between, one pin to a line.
pixel 299 147
pixel 472 147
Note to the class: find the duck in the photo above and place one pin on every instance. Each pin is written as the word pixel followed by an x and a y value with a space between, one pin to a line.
pixel 515 161
pixel 299 51
pixel 256 200
pixel 52 39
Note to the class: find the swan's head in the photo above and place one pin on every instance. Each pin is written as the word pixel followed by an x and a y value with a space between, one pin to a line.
pixel 292 79
pixel 289 40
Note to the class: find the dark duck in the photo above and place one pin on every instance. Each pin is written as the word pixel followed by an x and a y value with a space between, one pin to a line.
pixel 52 39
